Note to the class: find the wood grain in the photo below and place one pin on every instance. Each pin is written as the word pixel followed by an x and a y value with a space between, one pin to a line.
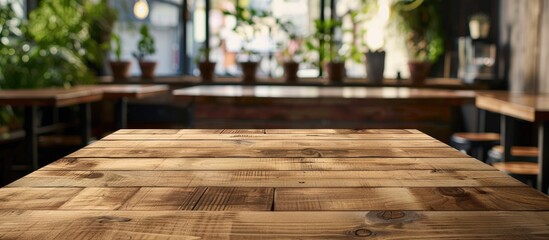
pixel 258 183
pixel 254 164
pixel 266 153
pixel 273 225
pixel 248 136
pixel 35 198
pixel 236 199
pixel 444 198
pixel 269 144
pixel 163 198
pixel 99 199
pixel 389 178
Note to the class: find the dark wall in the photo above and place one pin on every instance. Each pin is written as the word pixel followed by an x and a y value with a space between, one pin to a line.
pixel 455 24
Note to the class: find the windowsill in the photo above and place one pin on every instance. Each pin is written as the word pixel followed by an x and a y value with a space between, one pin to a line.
pixel 448 83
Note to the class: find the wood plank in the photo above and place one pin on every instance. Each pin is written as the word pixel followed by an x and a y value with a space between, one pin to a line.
pixel 273 225
pixel 258 152
pixel 236 199
pixel 161 198
pixel 243 131
pixel 290 164
pixel 395 178
pixel 150 131
pixel 335 131
pixel 311 137
pixel 270 144
pixel 35 198
pixel 190 131
pixel 439 199
pixel 99 199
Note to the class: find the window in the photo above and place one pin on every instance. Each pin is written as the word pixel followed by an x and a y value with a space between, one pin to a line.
pixel 164 21
pixel 178 40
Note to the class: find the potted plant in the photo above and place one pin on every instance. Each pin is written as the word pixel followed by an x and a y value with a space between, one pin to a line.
pixel 145 48
pixel 249 23
pixel 120 68
pixel 479 26
pixel 291 51
pixel 420 23
pixel 323 43
pixel 205 65
pixel 363 45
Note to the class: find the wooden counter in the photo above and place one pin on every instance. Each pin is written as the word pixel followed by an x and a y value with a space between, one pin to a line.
pixel 257 183
pixel 434 111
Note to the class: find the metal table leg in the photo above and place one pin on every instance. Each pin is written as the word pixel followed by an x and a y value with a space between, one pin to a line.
pixel 122 113
pixel 543 157
pixel 31 135
pixel 507 136
pixel 85 123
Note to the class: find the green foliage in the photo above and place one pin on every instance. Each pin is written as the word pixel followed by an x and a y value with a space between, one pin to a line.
pixel 420 21
pixel 248 24
pixel 30 58
pixel 203 55
pixel 100 18
pixel 36 58
pixel 323 41
pixel 145 46
pixel 117 46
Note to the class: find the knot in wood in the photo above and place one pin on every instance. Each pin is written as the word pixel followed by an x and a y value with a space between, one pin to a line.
pixel 362 232
pixel 311 152
pixel 93 175
pixel 69 160
pixel 110 219
pixel 452 191
pixel 390 215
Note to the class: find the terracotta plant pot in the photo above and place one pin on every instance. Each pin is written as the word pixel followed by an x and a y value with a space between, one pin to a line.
pixel 336 71
pixel 290 71
pixel 375 66
pixel 120 69
pixel 147 69
pixel 249 70
pixel 419 71
pixel 207 71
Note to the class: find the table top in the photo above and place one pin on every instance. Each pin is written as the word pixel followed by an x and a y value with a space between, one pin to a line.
pixel 249 183
pixel 316 92
pixel 528 107
pixel 53 97
pixel 133 91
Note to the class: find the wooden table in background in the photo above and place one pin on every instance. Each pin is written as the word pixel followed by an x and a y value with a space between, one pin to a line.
pixel 32 99
pixel 433 111
pixel 122 92
pixel 245 184
pixel 527 107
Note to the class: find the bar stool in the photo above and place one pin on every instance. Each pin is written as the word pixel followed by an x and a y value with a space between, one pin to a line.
pixel 523 165
pixel 476 144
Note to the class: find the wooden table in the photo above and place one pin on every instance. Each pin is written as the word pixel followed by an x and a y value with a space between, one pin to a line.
pixel 528 107
pixel 122 92
pixel 326 107
pixel 31 100
pixel 247 184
